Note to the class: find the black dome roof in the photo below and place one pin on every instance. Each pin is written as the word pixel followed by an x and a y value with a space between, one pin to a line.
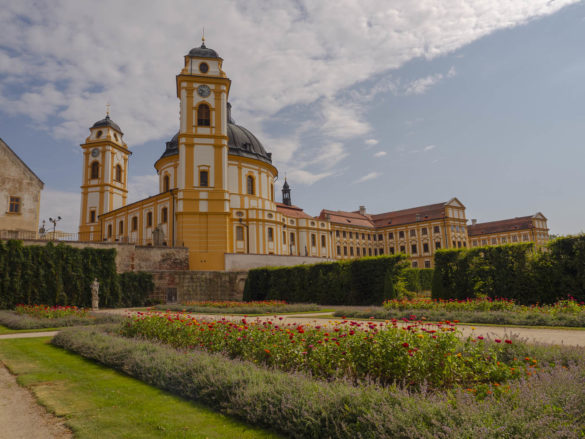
pixel 107 122
pixel 203 52
pixel 172 147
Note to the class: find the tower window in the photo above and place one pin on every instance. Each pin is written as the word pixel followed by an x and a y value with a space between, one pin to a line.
pixel 149 219
pixel 92 216
pixel 204 178
pixel 14 205
pixel 165 215
pixel 98 134
pixel 166 183
pixel 203 67
pixel 134 223
pixel 95 170
pixel 203 115
pixel 250 184
pixel 118 174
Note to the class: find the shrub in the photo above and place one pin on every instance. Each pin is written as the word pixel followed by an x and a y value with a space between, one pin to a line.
pixel 135 287
pixel 418 279
pixel 364 281
pixel 545 405
pixel 12 320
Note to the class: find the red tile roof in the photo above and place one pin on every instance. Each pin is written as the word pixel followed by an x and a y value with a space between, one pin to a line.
pixel 292 211
pixel 507 225
pixel 346 218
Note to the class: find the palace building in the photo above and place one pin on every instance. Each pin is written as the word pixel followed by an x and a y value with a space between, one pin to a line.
pixel 531 228
pixel 216 194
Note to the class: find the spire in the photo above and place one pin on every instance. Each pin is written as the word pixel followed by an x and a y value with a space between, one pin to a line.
pixel 203 38
pixel 286 193
pixel 108 110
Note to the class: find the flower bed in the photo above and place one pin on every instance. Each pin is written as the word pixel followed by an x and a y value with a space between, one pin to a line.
pixel 385 352
pixel 247 308
pixel 51 312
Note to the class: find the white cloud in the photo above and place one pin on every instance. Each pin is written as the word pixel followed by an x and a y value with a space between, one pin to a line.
pixel 329 155
pixel 429 147
pixel 343 120
pixel 380 154
pixel 306 177
pixel 56 203
pixel 371 142
pixel 421 85
pixel 369 176
pixel 142 186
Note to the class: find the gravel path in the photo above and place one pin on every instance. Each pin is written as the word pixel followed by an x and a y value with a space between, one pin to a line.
pixel 20 415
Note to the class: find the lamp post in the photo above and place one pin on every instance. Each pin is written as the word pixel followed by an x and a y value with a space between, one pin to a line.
pixel 54 221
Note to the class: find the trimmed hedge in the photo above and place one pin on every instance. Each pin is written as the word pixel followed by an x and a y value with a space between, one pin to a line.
pixel 418 279
pixel 62 275
pixel 365 281
pixel 513 271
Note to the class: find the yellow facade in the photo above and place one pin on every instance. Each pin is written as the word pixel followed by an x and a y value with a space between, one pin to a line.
pixel 511 231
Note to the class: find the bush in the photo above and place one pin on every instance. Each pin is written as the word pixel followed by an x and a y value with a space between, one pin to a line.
pixel 545 405
pixel 364 281
pixel 135 288
pixel 418 279
pixel 13 320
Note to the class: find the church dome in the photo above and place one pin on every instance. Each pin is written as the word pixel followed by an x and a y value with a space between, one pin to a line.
pixel 203 52
pixel 107 122
pixel 172 147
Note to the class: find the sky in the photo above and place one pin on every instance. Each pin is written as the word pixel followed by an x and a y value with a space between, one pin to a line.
pixel 389 104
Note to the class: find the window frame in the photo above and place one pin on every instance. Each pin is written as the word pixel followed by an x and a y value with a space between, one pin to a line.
pixel 204 115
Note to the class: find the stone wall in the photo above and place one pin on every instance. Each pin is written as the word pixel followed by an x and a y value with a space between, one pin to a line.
pixel 185 286
pixel 245 262
pixel 130 257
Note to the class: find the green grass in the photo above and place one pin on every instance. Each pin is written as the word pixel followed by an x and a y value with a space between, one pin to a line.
pixel 98 402
pixel 5 330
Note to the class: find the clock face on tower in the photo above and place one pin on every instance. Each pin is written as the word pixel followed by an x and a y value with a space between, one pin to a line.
pixel 95 152
pixel 203 91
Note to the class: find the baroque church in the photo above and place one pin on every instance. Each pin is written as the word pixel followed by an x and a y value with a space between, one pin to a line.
pixel 216 196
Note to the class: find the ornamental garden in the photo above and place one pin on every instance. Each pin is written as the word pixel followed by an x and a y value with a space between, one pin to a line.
pixel 374 349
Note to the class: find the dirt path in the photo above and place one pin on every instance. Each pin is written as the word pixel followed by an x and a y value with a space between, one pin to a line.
pixel 28 334
pixel 20 415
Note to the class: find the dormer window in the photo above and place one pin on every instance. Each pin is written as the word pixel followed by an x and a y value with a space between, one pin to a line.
pixel 203 115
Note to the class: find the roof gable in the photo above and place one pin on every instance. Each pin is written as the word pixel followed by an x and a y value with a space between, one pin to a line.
pixel 4 146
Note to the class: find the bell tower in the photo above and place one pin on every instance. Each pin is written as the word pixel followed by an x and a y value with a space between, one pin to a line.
pixel 105 176
pixel 203 198
pixel 286 193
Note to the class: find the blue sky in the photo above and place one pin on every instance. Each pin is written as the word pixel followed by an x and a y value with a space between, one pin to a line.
pixel 389 105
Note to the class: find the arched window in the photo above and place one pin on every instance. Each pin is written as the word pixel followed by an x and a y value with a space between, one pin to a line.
pixel 118 174
pixel 250 184
pixel 95 170
pixel 134 223
pixel 165 215
pixel 166 183
pixel 203 115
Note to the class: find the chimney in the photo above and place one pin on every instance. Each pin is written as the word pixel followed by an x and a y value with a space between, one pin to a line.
pixel 473 222
pixel 362 210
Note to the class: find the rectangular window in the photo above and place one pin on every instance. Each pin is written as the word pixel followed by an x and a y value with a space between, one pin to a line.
pixel 474 243
pixel 351 251
pixel 425 247
pixel 525 237
pixel 424 231
pixel 344 234
pixel 427 264
pixel 92 216
pixel 109 230
pixel 414 264
pixel 494 241
pixel 134 223
pixel 357 251
pixel 270 234
pixel 350 235
pixel 380 237
pixel 413 249
pixel 344 251
pixel 313 240
pixel 370 251
pixel 14 206
pixel 284 237
pixel 413 233
pixel 164 215
pixel 375 252
pixel 374 237
pixel 292 239
pixel 239 233
pixel 515 238
pixel 391 250
pixel 337 233
pixel 204 178
pixel 454 244
pixel 121 228
pixel 149 219
pixel 323 241
pixel 369 238
pixel 363 237
pixel 484 242
pixel 338 251
pixel 438 245
pixel 402 249
pixel 381 251
pixel 437 229
pixel 390 235
pixel 458 244
pixel 401 234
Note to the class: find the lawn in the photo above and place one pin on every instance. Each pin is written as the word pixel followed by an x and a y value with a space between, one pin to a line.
pixel 99 402
pixel 5 330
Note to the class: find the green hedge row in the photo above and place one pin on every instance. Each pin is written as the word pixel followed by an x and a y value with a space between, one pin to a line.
pixel 418 279
pixel 365 281
pixel 513 271
pixel 62 275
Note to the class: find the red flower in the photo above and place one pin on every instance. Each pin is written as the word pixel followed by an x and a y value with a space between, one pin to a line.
pixel 405 345
pixel 508 341
pixel 497 340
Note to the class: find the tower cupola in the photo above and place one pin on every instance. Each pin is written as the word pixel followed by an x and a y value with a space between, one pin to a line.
pixel 286 193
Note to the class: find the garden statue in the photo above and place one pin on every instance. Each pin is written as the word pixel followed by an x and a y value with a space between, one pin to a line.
pixel 95 295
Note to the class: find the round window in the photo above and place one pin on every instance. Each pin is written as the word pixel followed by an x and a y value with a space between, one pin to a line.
pixel 203 67
pixel 98 134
